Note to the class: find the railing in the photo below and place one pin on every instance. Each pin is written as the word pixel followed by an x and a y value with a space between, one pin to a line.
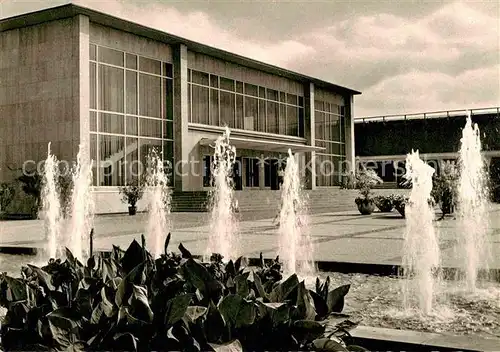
pixel 428 115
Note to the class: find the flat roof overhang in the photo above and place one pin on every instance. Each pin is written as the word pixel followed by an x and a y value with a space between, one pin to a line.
pixel 263 145
pixel 71 10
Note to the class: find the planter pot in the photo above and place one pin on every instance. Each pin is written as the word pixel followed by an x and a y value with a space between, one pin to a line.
pixel 384 207
pixel 132 210
pixel 401 209
pixel 366 206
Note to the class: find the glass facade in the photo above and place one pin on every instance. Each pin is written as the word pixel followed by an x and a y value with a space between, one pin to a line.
pixel 220 101
pixel 329 134
pixel 131 113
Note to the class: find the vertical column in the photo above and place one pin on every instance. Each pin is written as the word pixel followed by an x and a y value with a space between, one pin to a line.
pixel 309 134
pixel 181 152
pixel 349 134
pixel 81 37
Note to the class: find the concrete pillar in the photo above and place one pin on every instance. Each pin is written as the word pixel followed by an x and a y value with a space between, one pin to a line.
pixel 81 37
pixel 309 134
pixel 181 106
pixel 349 134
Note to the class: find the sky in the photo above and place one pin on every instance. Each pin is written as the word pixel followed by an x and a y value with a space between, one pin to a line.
pixel 404 56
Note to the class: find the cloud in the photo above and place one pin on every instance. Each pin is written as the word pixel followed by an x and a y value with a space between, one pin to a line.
pixel 403 56
pixel 442 60
pixel 419 91
pixel 198 26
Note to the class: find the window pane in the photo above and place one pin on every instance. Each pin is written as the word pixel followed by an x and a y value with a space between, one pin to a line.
pixel 239 111
pixel 131 82
pixel 111 87
pixel 301 101
pixel 168 106
pixel 214 107
pixel 132 168
pixel 282 120
pixel 149 95
pixel 132 125
pixel 272 117
pixel 291 99
pixel 227 84
pixel 200 78
pixel 93 157
pixel 214 81
pixel 200 105
pixel 149 65
pixel 301 122
pixel 145 147
pixel 131 61
pixel 110 56
pixel 227 109
pixel 251 89
pixel 93 121
pixel 111 123
pixel 318 105
pixel 239 87
pixel 251 114
pixel 168 129
pixel 111 166
pixel 262 92
pixel 328 127
pixel 168 70
pixel 292 119
pixel 168 161
pixel 319 123
pixel 93 86
pixel 282 97
pixel 92 52
pixel 262 116
pixel 150 127
pixel 335 128
pixel 272 94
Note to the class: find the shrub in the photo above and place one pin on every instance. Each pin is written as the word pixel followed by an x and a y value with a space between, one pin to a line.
pixel 366 179
pixel 384 203
pixel 7 193
pixel 132 192
pixel 444 187
pixel 125 300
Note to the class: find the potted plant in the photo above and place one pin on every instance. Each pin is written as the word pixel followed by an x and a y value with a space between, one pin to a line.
pixel 384 203
pixel 444 188
pixel 399 202
pixel 131 194
pixel 365 181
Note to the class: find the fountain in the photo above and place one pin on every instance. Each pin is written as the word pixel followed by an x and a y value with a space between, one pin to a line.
pixel 295 242
pixel 81 206
pixel 223 225
pixel 158 199
pixel 421 250
pixel 472 205
pixel 51 207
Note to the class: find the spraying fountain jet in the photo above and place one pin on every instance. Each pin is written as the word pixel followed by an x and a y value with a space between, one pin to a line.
pixel 159 204
pixel 472 205
pixel 296 250
pixel 51 207
pixel 421 249
pixel 223 224
pixel 81 207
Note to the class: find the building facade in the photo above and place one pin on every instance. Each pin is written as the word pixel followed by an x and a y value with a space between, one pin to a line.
pixel 76 77
pixel 382 142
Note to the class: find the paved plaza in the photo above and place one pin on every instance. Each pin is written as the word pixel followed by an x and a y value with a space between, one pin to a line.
pixel 337 237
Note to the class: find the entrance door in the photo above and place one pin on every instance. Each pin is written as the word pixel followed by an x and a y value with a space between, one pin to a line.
pixel 237 179
pixel 274 174
pixel 252 170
